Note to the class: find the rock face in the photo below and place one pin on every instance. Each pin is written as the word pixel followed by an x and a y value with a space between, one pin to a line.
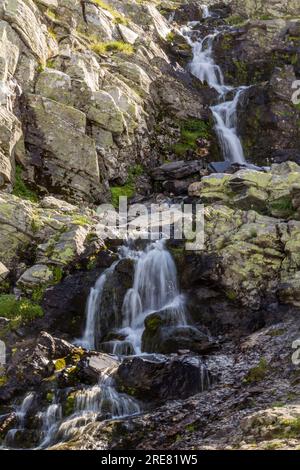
pixel 160 378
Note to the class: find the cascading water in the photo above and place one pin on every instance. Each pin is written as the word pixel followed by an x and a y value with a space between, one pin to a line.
pixel 100 401
pixel 21 414
pixel 155 288
pixel 206 70
pixel 92 310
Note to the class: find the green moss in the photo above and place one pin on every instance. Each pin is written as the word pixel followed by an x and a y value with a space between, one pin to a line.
pixel 235 20
pixel 3 380
pixel 19 311
pixel 127 189
pixel 38 293
pixel 231 295
pixel 49 397
pixel 282 207
pixel 60 364
pixel 191 428
pixel 170 36
pixel 118 17
pixel 112 46
pixel 81 220
pixel 21 189
pixel 70 404
pixel 257 373
pixel 118 191
pixel 190 131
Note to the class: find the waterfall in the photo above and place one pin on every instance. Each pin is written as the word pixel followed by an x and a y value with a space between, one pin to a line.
pixel 206 70
pixel 50 419
pixel 206 12
pixel 155 288
pixel 21 413
pixel 93 310
pixel 100 401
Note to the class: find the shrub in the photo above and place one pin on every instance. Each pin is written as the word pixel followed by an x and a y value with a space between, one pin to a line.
pixel 19 311
pixel 20 188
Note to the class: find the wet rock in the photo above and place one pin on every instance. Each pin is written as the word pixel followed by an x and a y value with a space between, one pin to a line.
pixel 177 170
pixel 162 337
pixel 64 304
pixel 95 365
pixel 159 378
pixel 3 272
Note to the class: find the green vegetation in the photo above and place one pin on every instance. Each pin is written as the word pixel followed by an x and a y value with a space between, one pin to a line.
pixel 257 373
pixel 103 48
pixel 60 364
pixel 81 220
pixel 19 311
pixel 21 189
pixel 190 131
pixel 170 36
pixel 118 17
pixel 235 20
pixel 57 274
pixel 128 188
pixel 70 404
pixel 284 206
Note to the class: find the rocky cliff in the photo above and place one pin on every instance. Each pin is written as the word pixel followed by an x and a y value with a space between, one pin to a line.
pixel 99 99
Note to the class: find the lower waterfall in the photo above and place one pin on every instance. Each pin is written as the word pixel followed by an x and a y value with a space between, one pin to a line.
pixel 155 288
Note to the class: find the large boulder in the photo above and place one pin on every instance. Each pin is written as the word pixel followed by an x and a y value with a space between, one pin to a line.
pixel 64 158
pixel 158 378
pixel 266 136
pixel 162 337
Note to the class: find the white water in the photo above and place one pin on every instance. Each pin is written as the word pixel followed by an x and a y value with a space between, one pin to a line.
pixel 206 70
pixel 21 413
pixel 154 289
pixel 93 310
pixel 100 401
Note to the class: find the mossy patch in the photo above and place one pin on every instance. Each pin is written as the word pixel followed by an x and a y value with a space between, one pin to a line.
pixel 60 364
pixel 190 131
pixel 128 189
pixel 103 48
pixel 258 373
pixel 20 311
pixel 21 189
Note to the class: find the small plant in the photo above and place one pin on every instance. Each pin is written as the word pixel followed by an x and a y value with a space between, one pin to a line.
pixel 102 48
pixel 190 131
pixel 21 189
pixel 19 311
pixel 258 373
pixel 128 188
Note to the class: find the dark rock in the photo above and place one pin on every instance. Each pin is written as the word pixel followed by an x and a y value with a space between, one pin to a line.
pixel 219 167
pixel 266 136
pixel 158 378
pixel 177 170
pixel 64 304
pixel 161 337
pixel 188 12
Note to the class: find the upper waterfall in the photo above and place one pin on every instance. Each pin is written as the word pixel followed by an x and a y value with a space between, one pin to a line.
pixel 203 67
